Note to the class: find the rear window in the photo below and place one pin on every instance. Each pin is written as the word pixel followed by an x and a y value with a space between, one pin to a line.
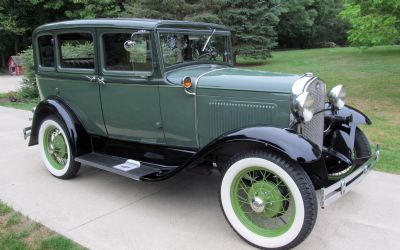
pixel 76 50
pixel 46 51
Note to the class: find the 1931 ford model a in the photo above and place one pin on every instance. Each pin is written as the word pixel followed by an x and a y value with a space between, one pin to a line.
pixel 148 98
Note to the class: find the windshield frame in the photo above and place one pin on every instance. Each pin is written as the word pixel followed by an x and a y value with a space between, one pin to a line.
pixel 207 33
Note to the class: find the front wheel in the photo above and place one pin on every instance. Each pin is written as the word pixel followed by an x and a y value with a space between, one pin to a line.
pixel 56 150
pixel 362 150
pixel 268 200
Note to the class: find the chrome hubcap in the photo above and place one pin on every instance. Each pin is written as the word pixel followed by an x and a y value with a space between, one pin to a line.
pixel 55 148
pixel 257 204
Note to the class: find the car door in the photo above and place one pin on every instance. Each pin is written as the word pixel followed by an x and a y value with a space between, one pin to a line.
pixel 74 80
pixel 129 96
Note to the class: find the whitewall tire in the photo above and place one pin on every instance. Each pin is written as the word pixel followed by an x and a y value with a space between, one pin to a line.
pixel 268 200
pixel 55 148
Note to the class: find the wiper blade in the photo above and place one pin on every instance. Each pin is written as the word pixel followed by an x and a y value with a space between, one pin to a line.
pixel 208 41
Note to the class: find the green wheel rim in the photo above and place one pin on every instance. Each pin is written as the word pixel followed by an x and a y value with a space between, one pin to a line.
pixel 254 186
pixel 55 148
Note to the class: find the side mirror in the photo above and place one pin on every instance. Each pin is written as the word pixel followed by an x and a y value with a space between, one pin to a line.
pixel 130 44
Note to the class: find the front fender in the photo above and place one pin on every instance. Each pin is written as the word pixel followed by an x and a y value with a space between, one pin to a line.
pixel 285 141
pixel 358 116
pixel 341 135
pixel 80 140
pixel 282 141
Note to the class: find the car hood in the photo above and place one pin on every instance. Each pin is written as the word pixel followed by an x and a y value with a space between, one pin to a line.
pixel 217 77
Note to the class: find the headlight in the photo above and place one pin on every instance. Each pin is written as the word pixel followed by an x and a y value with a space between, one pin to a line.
pixel 336 96
pixel 303 106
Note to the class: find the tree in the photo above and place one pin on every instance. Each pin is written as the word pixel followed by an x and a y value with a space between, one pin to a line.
pixel 374 22
pixel 296 23
pixel 18 18
pixel 328 26
pixel 307 23
pixel 194 10
pixel 252 22
pixel 253 25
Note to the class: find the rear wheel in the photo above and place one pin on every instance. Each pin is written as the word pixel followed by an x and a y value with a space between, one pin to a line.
pixel 268 200
pixel 56 150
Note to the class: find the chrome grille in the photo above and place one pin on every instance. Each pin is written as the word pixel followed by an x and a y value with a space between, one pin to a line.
pixel 314 129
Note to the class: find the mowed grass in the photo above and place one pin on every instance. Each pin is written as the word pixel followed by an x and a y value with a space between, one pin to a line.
pixel 18 232
pixel 372 80
pixel 20 104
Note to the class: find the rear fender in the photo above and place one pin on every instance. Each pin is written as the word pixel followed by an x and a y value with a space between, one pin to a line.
pixel 78 137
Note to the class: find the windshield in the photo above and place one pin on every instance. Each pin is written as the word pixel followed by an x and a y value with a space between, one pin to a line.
pixel 188 47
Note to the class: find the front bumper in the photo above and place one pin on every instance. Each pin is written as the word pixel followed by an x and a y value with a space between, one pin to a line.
pixel 342 187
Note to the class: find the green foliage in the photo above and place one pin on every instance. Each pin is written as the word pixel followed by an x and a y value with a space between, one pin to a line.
pixel 253 25
pixel 19 18
pixel 78 50
pixel 78 9
pixel 374 22
pixel 252 22
pixel 296 23
pixel 194 10
pixel 29 89
pixel 328 26
pixel 305 23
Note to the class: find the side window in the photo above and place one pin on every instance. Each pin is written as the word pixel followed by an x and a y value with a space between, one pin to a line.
pixel 46 51
pixel 76 50
pixel 117 58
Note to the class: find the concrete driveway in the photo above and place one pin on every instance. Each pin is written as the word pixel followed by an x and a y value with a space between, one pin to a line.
pixel 9 83
pixel 103 211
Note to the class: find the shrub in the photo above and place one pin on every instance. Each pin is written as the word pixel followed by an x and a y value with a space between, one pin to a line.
pixel 29 88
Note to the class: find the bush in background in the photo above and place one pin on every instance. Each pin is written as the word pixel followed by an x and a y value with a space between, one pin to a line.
pixel 29 88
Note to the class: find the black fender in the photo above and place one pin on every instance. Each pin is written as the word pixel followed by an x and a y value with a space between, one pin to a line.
pixel 282 141
pixel 341 134
pixel 358 116
pixel 77 134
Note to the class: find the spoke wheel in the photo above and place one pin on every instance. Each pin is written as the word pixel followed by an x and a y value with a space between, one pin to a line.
pixel 362 149
pixel 263 202
pixel 56 150
pixel 55 147
pixel 268 200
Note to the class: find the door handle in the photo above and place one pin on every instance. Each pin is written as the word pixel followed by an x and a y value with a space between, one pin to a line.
pixel 101 81
pixel 91 78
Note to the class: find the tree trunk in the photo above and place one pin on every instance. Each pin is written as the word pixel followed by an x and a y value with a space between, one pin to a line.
pixel 16 45
pixel 3 59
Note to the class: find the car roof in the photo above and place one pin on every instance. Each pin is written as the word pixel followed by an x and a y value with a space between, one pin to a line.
pixel 136 23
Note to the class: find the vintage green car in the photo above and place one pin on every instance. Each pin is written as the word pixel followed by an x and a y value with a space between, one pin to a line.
pixel 147 98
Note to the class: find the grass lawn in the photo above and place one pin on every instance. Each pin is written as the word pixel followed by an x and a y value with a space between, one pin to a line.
pixel 25 104
pixel 18 232
pixel 372 81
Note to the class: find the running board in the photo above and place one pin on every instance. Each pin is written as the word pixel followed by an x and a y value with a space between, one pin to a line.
pixel 125 167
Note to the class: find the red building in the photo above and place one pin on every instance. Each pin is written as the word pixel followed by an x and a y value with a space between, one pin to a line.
pixel 15 65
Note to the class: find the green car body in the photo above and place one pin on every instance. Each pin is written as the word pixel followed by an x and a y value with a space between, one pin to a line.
pixel 147 98
pixel 139 108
